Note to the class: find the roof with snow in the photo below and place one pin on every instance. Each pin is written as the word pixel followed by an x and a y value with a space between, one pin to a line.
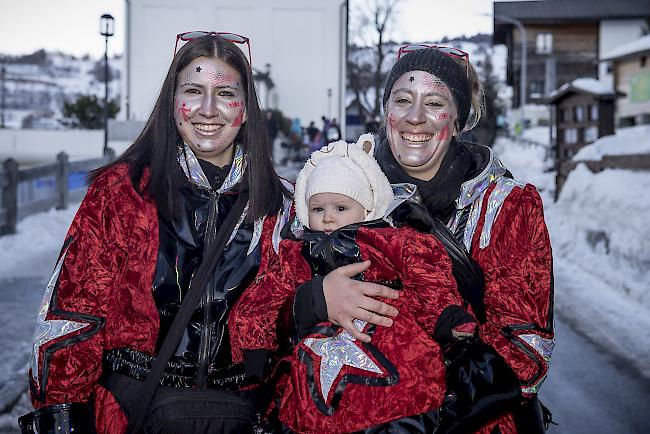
pixel 638 46
pixel 584 85
pixel 574 10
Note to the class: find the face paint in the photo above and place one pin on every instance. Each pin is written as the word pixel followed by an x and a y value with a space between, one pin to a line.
pixel 238 120
pixel 210 108
pixel 184 110
pixel 421 114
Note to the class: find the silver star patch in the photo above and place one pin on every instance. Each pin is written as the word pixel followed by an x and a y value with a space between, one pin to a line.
pixel 48 330
pixel 337 352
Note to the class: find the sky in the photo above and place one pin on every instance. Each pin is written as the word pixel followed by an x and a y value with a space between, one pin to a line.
pixel 72 26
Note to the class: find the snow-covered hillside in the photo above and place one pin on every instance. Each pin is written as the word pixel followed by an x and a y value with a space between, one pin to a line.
pixel 37 85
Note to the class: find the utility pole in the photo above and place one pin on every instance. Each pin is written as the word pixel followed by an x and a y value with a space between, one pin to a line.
pixel 3 72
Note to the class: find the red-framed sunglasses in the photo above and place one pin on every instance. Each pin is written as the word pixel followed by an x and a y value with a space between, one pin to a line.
pixel 232 37
pixel 449 51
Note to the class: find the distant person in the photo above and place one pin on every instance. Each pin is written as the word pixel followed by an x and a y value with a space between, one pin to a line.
pixel 342 200
pixel 312 131
pixel 333 132
pixel 326 125
pixel 314 137
pixel 499 223
pixel 373 125
pixel 271 127
pixel 180 215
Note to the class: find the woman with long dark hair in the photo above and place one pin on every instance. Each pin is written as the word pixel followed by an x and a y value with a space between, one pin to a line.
pixel 132 329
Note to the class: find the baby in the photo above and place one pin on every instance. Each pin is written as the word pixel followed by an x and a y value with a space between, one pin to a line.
pixel 338 383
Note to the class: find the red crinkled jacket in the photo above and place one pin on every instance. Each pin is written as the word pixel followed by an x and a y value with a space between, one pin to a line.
pixel 400 373
pixel 100 298
pixel 510 242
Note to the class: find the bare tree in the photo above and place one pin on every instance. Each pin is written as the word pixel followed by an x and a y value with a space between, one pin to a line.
pixel 370 28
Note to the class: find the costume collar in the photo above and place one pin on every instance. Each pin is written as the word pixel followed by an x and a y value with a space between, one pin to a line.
pixel 194 173
pixel 473 188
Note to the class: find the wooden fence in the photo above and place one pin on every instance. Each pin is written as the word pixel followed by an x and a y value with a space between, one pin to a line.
pixel 17 198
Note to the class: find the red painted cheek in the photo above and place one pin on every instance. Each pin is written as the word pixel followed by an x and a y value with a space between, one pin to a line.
pixel 444 133
pixel 238 120
pixel 184 111
pixel 391 121
pixel 235 104
pixel 442 116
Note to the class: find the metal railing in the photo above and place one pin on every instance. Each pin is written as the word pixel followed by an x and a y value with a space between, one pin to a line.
pixel 26 191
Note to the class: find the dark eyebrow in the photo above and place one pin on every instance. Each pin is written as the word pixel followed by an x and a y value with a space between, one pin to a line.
pixel 409 91
pixel 225 86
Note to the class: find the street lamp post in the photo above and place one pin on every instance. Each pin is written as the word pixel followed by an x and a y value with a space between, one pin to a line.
pixel 524 66
pixel 329 102
pixel 106 29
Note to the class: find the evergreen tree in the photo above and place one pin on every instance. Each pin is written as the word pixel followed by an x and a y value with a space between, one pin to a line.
pixel 87 112
pixel 487 129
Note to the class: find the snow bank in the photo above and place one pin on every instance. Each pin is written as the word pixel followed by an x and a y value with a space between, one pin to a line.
pixel 600 223
pixel 33 250
pixel 626 141
pixel 526 163
pixel 601 246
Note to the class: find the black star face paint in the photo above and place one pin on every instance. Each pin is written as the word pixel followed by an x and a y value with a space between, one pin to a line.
pixel 209 108
pixel 421 115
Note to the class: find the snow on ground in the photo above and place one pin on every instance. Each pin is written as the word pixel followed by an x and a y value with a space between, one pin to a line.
pixel 601 245
pixel 539 135
pixel 33 250
pixel 626 141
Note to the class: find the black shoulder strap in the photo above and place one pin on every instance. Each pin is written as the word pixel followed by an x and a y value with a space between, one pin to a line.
pixel 468 274
pixel 210 260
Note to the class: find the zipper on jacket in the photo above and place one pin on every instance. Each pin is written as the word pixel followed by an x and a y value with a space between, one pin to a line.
pixel 204 347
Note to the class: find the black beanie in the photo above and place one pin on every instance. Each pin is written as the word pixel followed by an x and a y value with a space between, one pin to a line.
pixel 444 67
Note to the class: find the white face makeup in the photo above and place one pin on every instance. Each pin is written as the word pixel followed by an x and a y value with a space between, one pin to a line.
pixel 209 108
pixel 420 122
pixel 330 211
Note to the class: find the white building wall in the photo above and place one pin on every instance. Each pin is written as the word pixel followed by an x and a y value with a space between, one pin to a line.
pixel 300 39
pixel 611 34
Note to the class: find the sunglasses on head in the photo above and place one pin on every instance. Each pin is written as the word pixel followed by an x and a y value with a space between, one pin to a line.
pixel 449 51
pixel 232 37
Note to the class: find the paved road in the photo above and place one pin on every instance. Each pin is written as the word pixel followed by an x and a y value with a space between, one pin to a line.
pixel 592 392
pixel 588 390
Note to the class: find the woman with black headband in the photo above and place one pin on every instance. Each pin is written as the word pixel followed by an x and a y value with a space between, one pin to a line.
pixel 493 228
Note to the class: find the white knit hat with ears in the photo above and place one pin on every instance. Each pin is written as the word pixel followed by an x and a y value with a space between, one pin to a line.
pixel 345 168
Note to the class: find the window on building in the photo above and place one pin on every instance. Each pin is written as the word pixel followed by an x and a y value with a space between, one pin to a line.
pixel 561 115
pixel 544 43
pixel 536 89
pixel 644 60
pixel 570 136
pixel 579 113
pixel 591 134
pixel 593 112
pixel 567 114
